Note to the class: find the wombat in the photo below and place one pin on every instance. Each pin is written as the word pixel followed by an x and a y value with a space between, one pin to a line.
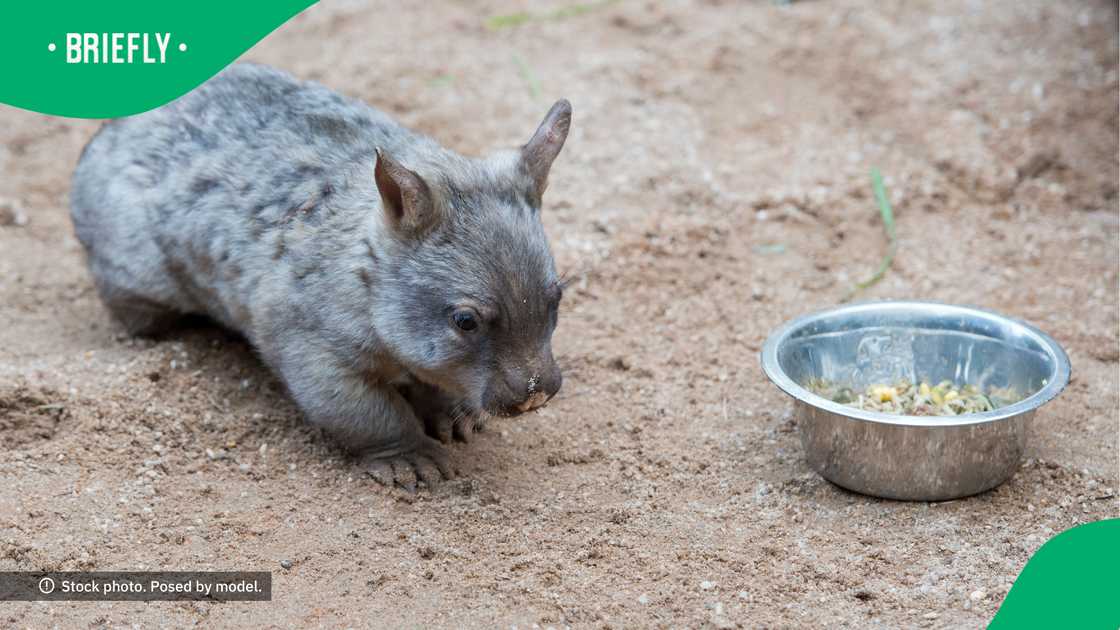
pixel 400 290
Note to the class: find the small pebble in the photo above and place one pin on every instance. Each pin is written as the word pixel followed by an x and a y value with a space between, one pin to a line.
pixel 707 586
pixel 977 595
pixel 931 615
pixel 643 599
pixel 11 213
pixel 285 564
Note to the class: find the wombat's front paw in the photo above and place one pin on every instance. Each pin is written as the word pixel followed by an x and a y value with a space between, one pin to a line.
pixel 427 463
pixel 459 425
pixel 445 418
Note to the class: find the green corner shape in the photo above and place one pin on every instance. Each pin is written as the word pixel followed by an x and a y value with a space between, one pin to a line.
pixel 1070 582
pixel 175 46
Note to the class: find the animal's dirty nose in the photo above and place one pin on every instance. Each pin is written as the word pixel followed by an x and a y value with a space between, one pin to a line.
pixel 536 399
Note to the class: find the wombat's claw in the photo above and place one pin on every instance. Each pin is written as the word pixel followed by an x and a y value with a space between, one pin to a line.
pixel 427 464
pixel 464 430
pixel 466 427
pixel 444 428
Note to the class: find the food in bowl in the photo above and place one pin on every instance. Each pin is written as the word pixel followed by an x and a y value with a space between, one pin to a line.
pixel 921 399
pixel 916 458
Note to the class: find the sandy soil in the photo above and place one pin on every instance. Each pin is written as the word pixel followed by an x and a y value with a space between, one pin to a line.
pixel 714 186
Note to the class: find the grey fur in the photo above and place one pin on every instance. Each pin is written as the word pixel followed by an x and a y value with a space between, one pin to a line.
pixel 253 200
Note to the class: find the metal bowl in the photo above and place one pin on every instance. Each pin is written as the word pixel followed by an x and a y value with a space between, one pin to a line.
pixel 914 457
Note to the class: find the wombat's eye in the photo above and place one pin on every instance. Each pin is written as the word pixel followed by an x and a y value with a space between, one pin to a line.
pixel 465 320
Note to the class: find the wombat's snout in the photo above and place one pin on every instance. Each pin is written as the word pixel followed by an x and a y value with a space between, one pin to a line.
pixel 517 391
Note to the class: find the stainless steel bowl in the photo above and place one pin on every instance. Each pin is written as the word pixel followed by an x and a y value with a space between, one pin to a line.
pixel 914 457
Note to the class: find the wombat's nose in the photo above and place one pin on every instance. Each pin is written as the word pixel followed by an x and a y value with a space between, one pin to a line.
pixel 515 394
pixel 536 399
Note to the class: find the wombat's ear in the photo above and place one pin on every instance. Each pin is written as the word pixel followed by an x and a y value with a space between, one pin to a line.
pixel 537 155
pixel 406 198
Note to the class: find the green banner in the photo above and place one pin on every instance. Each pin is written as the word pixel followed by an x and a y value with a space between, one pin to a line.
pixel 1070 582
pixel 89 59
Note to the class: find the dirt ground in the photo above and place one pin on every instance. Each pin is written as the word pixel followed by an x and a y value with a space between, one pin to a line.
pixel 714 186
